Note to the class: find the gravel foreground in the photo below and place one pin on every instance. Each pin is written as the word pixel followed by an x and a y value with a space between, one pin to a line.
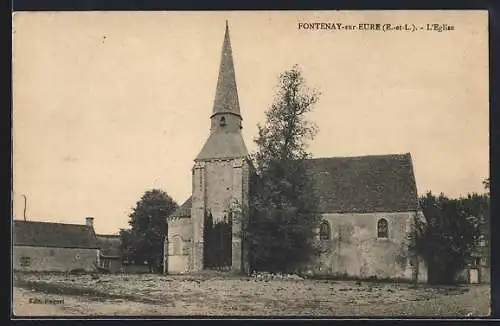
pixel 161 295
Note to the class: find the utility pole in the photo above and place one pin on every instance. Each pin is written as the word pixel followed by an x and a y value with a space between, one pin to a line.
pixel 25 203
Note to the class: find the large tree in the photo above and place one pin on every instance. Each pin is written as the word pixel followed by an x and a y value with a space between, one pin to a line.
pixel 450 233
pixel 143 242
pixel 282 213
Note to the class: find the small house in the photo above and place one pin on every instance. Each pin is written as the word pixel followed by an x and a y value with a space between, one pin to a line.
pixel 54 247
pixel 110 257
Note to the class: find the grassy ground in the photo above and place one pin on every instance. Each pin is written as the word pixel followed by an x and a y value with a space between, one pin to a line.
pixel 212 295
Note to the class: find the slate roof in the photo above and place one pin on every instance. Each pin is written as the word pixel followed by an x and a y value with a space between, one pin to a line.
pixel 223 145
pixel 361 184
pixel 47 234
pixel 109 244
pixel 376 183
pixel 226 94
pixel 184 210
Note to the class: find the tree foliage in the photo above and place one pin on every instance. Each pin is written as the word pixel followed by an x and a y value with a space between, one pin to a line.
pixel 449 233
pixel 486 184
pixel 282 213
pixel 143 242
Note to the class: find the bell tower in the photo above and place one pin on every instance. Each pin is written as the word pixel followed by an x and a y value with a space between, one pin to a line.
pixel 221 169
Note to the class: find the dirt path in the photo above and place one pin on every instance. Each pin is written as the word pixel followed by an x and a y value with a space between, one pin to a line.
pixel 75 306
pixel 168 296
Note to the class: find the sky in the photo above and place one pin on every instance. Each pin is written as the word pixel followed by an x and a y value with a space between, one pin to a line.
pixel 107 105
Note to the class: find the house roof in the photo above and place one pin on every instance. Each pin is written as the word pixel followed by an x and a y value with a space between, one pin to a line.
pixel 47 234
pixel 109 244
pixel 184 210
pixel 362 184
pixel 375 183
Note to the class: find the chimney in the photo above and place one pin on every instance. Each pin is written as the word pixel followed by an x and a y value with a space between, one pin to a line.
pixel 90 222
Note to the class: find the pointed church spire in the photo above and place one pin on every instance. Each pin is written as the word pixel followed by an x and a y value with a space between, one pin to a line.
pixel 225 140
pixel 226 95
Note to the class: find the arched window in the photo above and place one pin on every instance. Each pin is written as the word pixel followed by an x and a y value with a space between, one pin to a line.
pixel 222 121
pixel 177 245
pixel 382 228
pixel 324 231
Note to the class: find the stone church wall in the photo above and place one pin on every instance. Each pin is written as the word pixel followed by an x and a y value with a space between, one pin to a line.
pixel 51 259
pixel 216 185
pixel 354 248
pixel 219 185
pixel 179 246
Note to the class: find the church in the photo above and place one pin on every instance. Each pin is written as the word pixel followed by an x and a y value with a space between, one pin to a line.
pixel 367 203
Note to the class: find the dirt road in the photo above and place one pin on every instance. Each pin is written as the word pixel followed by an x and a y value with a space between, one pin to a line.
pixel 146 295
pixel 75 306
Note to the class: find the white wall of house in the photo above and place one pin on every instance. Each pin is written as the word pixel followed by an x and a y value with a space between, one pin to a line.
pixel 31 258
